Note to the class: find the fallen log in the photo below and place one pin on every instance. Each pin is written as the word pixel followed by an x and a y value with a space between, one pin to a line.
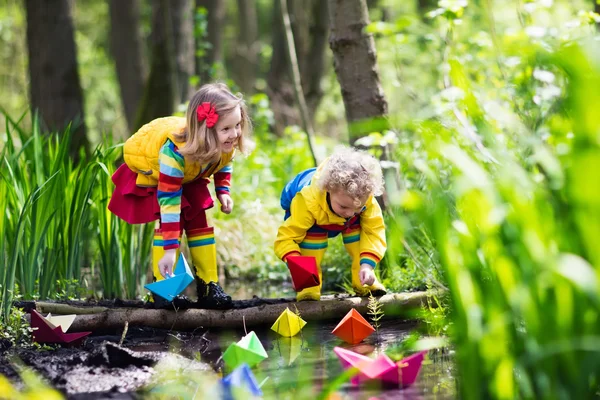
pixel 330 307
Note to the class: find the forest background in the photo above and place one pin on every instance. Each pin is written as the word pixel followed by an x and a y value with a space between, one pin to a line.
pixel 483 114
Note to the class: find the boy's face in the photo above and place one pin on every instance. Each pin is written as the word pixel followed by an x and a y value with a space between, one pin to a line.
pixel 229 129
pixel 344 205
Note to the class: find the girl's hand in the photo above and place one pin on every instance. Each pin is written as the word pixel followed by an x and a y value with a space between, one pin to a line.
pixel 226 203
pixel 165 264
pixel 366 275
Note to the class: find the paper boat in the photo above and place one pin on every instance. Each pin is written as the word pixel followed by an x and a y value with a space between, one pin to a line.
pixel 288 324
pixel 353 328
pixel 248 350
pixel 52 329
pixel 304 272
pixel 173 285
pixel 240 382
pixel 402 373
pixel 410 367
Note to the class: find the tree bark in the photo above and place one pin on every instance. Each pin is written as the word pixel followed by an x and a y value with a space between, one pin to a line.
pixel 329 307
pixel 55 87
pixel 355 64
pixel 295 73
pixel 319 30
pixel 425 6
pixel 182 24
pixel 299 12
pixel 597 11
pixel 128 51
pixel 160 92
pixel 279 83
pixel 214 54
pixel 247 49
pixel 279 90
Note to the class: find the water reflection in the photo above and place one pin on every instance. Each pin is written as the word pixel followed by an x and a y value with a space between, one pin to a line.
pixel 302 366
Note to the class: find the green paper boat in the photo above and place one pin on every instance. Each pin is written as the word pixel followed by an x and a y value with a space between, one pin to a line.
pixel 248 350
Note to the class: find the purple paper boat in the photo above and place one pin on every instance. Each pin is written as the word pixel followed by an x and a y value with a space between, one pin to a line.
pixel 403 373
pixel 45 332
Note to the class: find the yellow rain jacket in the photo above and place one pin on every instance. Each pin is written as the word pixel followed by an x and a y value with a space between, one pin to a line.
pixel 310 207
pixel 141 152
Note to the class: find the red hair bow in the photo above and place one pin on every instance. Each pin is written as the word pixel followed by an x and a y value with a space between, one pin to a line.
pixel 207 112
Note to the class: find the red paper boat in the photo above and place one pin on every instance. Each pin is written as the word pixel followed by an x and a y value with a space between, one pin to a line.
pixel 403 373
pixel 46 332
pixel 353 328
pixel 304 272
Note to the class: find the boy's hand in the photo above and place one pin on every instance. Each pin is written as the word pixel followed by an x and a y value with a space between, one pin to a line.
pixel 366 275
pixel 165 264
pixel 226 203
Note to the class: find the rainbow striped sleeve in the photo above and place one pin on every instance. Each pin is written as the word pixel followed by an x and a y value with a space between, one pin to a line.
pixel 369 258
pixel 223 179
pixel 169 193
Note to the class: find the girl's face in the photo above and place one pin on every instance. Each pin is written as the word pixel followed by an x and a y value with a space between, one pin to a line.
pixel 229 129
pixel 344 205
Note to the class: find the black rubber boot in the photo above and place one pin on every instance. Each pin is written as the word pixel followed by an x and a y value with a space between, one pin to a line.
pixel 378 292
pixel 160 303
pixel 212 296
pixel 179 302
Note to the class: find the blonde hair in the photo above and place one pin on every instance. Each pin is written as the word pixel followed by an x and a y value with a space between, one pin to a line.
pixel 356 173
pixel 201 142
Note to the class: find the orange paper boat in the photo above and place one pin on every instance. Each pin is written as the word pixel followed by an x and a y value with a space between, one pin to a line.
pixel 353 328
pixel 304 272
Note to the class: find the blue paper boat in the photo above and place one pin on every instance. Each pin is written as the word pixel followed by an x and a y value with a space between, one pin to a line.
pixel 241 381
pixel 174 284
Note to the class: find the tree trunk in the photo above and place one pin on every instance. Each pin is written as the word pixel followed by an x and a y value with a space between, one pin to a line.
pixel 214 36
pixel 279 83
pixel 182 24
pixel 319 30
pixel 296 78
pixel 160 93
pixel 329 307
pixel 247 49
pixel 597 11
pixel 425 6
pixel 299 12
pixel 279 89
pixel 128 51
pixel 55 88
pixel 355 65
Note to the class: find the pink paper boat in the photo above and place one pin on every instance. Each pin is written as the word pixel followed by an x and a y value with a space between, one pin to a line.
pixel 383 369
pixel 46 332
pixel 403 373
pixel 410 367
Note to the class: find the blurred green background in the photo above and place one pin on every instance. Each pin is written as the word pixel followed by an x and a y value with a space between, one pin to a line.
pixel 491 151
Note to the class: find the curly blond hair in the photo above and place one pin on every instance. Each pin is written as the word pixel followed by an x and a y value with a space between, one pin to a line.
pixel 356 173
pixel 202 145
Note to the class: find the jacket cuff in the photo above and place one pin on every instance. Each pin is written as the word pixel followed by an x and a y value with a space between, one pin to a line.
pixel 369 258
pixel 171 246
pixel 222 190
pixel 291 253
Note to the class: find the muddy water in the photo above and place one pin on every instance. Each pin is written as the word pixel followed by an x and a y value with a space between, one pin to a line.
pixel 302 366
pixel 296 368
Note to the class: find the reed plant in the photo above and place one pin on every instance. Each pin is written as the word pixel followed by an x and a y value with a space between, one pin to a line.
pixel 514 230
pixel 55 225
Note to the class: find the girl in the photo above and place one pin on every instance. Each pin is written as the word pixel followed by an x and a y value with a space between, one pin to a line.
pixel 168 163
pixel 337 197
